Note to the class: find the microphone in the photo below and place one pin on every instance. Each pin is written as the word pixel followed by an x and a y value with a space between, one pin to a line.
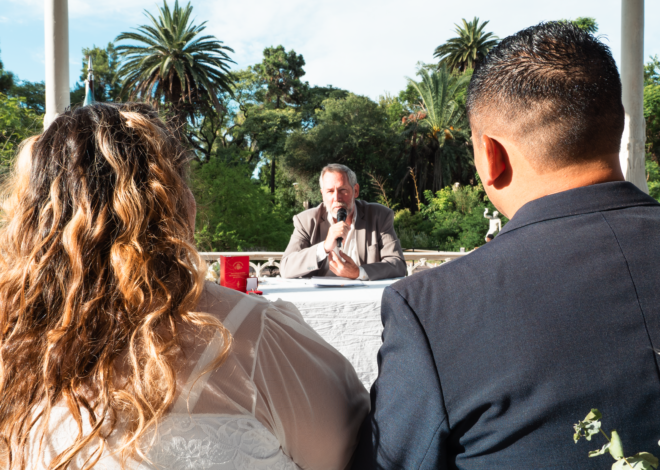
pixel 341 217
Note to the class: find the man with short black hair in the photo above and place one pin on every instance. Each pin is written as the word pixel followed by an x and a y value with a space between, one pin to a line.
pixel 476 374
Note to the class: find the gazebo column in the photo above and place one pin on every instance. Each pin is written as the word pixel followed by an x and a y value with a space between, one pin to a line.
pixel 56 22
pixel 632 155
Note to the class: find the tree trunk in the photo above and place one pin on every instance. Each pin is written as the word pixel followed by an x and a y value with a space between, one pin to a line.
pixel 178 114
pixel 437 171
pixel 272 175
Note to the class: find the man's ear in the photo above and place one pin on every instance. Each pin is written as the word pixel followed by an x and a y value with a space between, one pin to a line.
pixel 356 191
pixel 497 159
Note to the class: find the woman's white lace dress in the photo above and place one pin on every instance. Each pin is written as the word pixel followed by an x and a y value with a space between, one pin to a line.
pixel 283 400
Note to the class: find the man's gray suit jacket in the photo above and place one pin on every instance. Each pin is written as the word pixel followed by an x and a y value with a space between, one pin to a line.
pixel 378 246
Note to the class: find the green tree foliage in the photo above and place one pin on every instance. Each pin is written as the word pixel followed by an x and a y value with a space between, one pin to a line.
pixel 652 71
pixel 468 48
pixel 270 128
pixel 281 71
pixel 233 211
pixel 291 197
pixel 6 79
pixel 451 219
pixel 32 95
pixel 441 117
pixel 214 132
pixel 314 99
pixel 394 108
pixel 410 95
pixel 652 106
pixel 261 135
pixel 105 63
pixel 174 64
pixel 653 178
pixel 353 131
pixel 17 122
pixel 587 24
pixel 652 117
pixel 421 148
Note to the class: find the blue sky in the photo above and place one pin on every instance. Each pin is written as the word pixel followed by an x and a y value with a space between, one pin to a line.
pixel 365 46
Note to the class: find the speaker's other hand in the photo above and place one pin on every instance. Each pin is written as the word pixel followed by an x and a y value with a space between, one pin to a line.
pixel 343 266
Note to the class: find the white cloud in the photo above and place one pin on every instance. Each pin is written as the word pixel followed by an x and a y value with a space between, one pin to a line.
pixel 369 46
pixel 366 46
pixel 127 10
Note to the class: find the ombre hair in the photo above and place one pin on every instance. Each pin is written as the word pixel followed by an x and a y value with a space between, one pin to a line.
pixel 97 274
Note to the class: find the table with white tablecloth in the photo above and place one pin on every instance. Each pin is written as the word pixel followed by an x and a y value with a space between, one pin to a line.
pixel 346 317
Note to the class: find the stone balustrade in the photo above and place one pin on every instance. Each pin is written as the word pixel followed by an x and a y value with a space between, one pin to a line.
pixel 415 260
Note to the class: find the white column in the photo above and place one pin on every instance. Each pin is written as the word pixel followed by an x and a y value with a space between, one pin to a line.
pixel 632 154
pixel 56 22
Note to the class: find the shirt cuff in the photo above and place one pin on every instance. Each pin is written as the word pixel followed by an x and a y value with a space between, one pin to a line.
pixel 363 274
pixel 320 253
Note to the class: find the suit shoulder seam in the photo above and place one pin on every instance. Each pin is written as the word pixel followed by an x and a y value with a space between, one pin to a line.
pixel 632 279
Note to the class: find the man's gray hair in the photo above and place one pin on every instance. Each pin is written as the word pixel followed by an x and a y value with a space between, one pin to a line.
pixel 338 168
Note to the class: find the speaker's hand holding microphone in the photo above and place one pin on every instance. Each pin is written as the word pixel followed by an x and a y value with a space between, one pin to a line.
pixel 337 232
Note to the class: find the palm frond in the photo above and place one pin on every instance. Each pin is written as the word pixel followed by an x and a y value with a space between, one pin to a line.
pixel 469 47
pixel 169 60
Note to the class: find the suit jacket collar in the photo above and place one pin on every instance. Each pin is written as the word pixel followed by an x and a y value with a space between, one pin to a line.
pixel 361 231
pixel 322 215
pixel 578 201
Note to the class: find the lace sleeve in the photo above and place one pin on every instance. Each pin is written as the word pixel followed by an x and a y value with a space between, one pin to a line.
pixel 308 394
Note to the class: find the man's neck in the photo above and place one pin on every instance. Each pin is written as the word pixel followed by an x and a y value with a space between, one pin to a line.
pixel 575 176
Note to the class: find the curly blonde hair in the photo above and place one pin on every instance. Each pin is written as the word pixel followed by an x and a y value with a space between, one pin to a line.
pixel 98 271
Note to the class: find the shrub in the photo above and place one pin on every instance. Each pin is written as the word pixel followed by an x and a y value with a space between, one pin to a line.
pixel 233 212
pixel 450 219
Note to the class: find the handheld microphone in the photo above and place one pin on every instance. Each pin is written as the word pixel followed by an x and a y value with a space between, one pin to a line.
pixel 341 217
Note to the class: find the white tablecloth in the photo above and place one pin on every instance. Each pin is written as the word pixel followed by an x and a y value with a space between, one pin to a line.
pixel 348 318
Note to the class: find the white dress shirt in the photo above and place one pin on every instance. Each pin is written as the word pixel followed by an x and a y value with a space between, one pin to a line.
pixel 349 247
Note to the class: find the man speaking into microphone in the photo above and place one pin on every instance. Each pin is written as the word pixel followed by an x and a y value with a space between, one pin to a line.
pixel 343 236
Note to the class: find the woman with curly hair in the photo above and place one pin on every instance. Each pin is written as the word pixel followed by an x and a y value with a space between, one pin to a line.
pixel 114 352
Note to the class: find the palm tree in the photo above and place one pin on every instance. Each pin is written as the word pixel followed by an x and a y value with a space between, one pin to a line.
pixel 173 64
pixel 466 50
pixel 441 116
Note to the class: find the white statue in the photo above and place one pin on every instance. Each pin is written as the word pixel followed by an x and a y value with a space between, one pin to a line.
pixel 495 224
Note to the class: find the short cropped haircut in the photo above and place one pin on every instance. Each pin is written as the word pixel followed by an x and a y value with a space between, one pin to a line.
pixel 553 88
pixel 338 168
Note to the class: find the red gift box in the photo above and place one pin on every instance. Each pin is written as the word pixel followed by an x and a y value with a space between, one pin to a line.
pixel 234 271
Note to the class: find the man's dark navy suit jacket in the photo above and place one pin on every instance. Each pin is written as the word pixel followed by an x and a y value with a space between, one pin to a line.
pixel 488 361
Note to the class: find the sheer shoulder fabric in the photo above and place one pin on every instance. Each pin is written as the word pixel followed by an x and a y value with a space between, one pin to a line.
pixel 286 376
pixel 284 398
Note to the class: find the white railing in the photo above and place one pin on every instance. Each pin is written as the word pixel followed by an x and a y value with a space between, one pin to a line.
pixel 414 259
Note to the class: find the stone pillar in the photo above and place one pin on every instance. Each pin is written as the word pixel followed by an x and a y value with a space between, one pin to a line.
pixel 632 155
pixel 56 22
